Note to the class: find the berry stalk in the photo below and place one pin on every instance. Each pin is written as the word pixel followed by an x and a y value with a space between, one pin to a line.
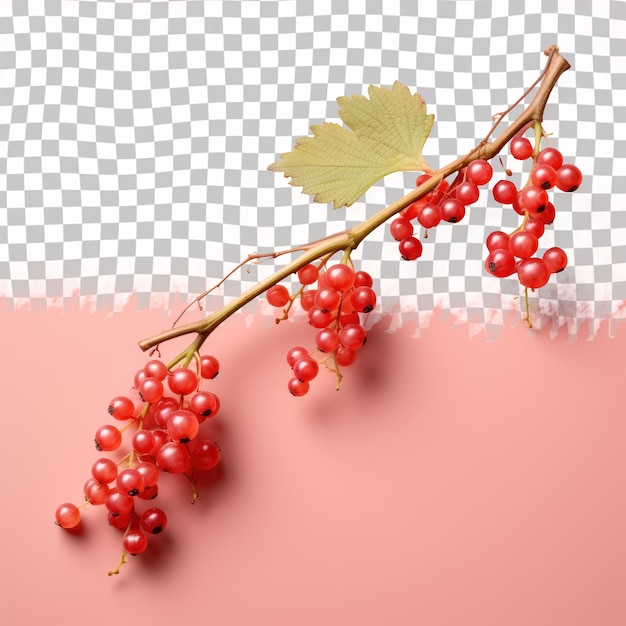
pixel 351 238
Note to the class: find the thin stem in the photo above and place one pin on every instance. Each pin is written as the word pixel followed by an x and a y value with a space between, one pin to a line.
pixel 351 238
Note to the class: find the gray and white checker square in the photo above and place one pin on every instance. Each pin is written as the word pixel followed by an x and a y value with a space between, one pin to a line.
pixel 135 139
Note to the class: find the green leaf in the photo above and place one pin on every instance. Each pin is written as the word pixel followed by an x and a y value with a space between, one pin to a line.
pixel 338 165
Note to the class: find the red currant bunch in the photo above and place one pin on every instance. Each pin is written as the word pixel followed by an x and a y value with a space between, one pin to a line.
pixel 163 417
pixel 515 253
pixel 447 203
pixel 334 300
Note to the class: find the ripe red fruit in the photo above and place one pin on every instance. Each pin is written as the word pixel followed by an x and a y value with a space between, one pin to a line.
pixel 505 192
pixel 452 210
pixel 401 228
pixel 153 520
pixel 543 176
pixel 568 177
pixel 521 148
pixel 308 274
pixel 209 366
pixel 410 248
pixel 205 455
pixel 430 215
pixel 497 240
pixel 555 259
pixel 305 369
pixel 551 157
pixel 278 295
pixel 340 276
pixel 467 193
pixel 533 273
pixel 182 381
pixel 67 515
pixel 479 171
pixel 500 263
pixel 534 199
pixel 173 457
pixel 523 244
pixel 121 408
pixel 363 299
pixel 298 387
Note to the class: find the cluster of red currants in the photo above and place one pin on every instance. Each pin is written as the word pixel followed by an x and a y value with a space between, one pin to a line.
pixel 446 203
pixel 334 301
pixel 164 411
pixel 508 253
pixel 514 253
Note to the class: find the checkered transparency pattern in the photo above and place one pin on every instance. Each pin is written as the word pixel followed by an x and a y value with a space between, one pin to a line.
pixel 135 137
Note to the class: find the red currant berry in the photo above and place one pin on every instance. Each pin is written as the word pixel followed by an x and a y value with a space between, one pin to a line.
pixel 104 470
pixel 568 178
pixel 120 522
pixel 156 369
pixel 533 273
pixel 410 249
pixel 308 274
pixel 523 244
pixel 121 408
pixel 67 515
pixel 479 171
pixel 352 336
pixel 319 318
pixel 543 176
pixel 430 215
pixel 345 356
pixel 296 353
pixel 204 404
pixel 95 492
pixel 151 389
pixel 452 210
pixel 182 381
pixel 534 199
pixel 298 387
pixel 118 502
pixel 149 471
pixel 363 299
pixel 163 411
pixel 153 521
pixel 551 157
pixel 206 455
pixel 500 263
pixel 497 240
pixel 108 438
pixel 401 228
pixel 555 259
pixel 362 279
pixel 209 367
pixel 173 457
pixel 278 295
pixel 135 542
pixel 326 340
pixel 306 369
pixel 130 481
pixel 340 276
pixel 183 425
pixel 143 441
pixel 504 192
pixel 467 193
pixel 521 148
pixel 327 299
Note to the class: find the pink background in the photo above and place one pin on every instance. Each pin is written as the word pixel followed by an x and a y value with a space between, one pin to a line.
pixel 452 481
